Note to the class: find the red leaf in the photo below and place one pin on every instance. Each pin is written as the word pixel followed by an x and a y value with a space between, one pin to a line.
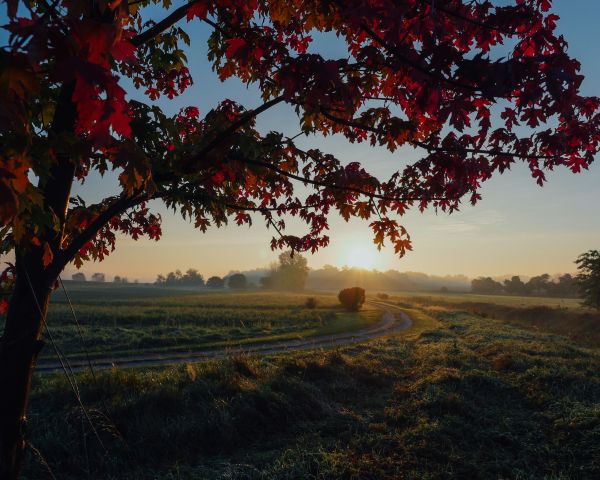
pixel 123 50
pixel 218 178
pixel 577 163
pixel 197 10
pixel 193 112
pixel 47 255
pixel 233 45
pixel 120 122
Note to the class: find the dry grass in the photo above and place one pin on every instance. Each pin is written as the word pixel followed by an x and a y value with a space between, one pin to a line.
pixel 581 325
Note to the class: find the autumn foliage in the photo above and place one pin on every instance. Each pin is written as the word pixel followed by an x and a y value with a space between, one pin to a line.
pixel 473 86
pixel 437 76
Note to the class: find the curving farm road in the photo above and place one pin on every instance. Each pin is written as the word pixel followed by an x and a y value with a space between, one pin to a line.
pixel 388 324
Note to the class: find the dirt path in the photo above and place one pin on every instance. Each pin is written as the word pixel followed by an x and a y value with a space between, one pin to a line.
pixel 388 324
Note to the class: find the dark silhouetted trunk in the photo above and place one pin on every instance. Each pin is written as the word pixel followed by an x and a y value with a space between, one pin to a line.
pixel 19 348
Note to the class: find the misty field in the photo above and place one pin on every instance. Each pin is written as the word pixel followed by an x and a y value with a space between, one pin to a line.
pixel 561 316
pixel 507 300
pixel 128 320
pixel 460 395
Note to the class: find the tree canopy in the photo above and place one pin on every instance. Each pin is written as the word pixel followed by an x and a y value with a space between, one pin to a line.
pixel 417 73
pixel 290 274
pixel 215 282
pixel 541 285
pixel 237 281
pixel 191 278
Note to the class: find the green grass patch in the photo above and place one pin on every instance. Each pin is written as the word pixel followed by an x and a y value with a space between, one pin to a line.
pixel 581 325
pixel 508 300
pixel 183 321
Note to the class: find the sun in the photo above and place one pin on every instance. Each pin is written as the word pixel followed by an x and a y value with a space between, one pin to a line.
pixel 361 256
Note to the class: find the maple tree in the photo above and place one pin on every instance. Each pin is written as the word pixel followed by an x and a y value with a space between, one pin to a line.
pixel 425 74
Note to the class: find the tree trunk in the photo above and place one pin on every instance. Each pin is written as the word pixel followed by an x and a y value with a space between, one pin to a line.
pixel 19 348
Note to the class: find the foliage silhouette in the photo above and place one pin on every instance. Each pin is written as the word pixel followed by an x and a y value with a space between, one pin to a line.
pixel 237 281
pixel 352 298
pixel 588 264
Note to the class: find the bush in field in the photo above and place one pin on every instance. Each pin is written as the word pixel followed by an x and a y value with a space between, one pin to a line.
pixel 352 298
pixel 215 282
pixel 237 281
pixel 383 296
pixel 311 303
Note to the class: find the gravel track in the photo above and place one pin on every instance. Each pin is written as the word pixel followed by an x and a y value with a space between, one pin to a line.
pixel 388 324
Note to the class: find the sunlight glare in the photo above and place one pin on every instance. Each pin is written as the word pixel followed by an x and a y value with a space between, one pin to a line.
pixel 361 256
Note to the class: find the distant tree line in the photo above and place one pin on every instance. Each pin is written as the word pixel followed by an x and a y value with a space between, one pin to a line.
pixel 237 281
pixel 78 277
pixel 191 278
pixel 541 286
pixel 215 282
pixel 330 277
pixel 99 277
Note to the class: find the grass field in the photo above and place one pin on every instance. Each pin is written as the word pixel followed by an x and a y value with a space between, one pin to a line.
pixel 128 320
pixel 507 300
pixel 553 315
pixel 458 396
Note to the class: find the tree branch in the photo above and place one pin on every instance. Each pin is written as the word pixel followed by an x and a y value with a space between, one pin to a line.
pixel 432 148
pixel 354 123
pixel 164 24
pixel 472 21
pixel 233 206
pixel 416 65
pixel 117 207
pixel 220 137
pixel 337 187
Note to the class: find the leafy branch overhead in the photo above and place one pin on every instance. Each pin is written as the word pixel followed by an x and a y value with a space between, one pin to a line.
pixel 416 74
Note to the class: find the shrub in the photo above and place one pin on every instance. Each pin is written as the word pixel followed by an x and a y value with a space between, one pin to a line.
pixel 215 282
pixel 383 296
pixel 311 303
pixel 237 281
pixel 352 298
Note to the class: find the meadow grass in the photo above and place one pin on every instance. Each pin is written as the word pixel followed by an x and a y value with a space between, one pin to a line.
pixel 114 324
pixel 507 300
pixel 580 324
pixel 458 396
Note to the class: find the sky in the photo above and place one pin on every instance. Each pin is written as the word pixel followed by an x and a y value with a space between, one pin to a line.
pixel 518 227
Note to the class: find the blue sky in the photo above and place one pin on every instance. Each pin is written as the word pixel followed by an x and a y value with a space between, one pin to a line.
pixel 518 227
